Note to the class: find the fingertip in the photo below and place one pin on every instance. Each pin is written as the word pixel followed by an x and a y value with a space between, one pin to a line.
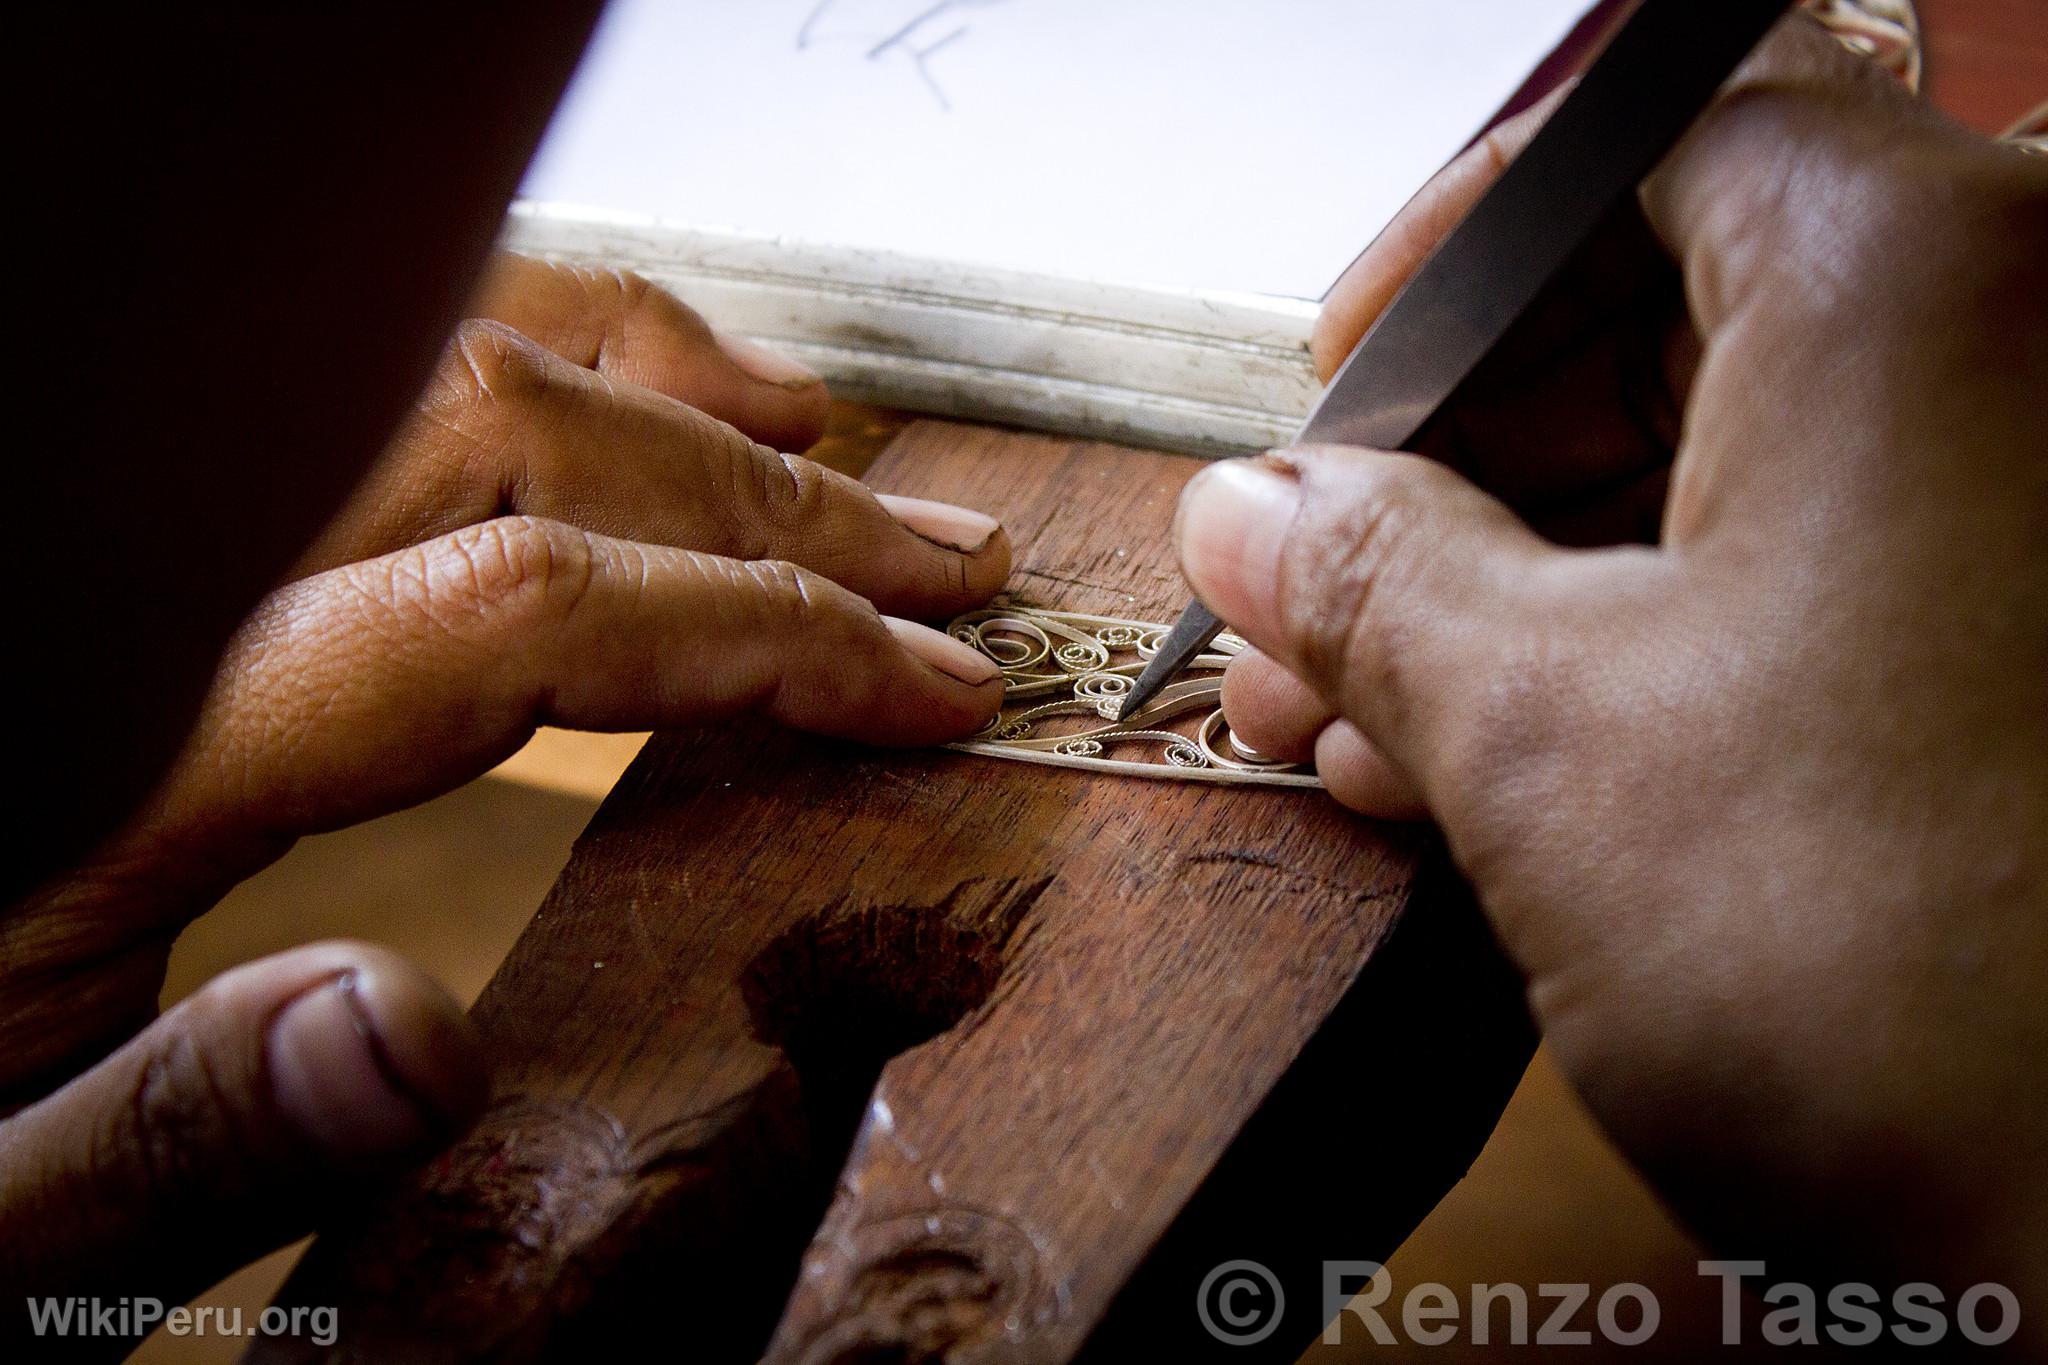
pixel 766 364
pixel 960 662
pixel 373 1059
pixel 1234 517
pixel 1270 709
pixel 990 567
pixel 945 524
pixel 428 1040
pixel 1358 775
pixel 784 403
pixel 224 1127
pixel 954 558
pixel 949 690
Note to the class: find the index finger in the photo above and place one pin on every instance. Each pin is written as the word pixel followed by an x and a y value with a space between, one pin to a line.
pixel 629 329
pixel 1369 283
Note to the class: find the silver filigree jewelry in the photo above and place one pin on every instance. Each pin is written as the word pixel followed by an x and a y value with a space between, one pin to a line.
pixel 1886 31
pixel 1061 664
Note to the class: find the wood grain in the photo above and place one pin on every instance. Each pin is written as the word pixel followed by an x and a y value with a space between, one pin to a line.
pixel 862 1056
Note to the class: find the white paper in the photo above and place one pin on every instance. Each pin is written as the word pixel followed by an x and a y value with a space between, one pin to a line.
pixel 1188 144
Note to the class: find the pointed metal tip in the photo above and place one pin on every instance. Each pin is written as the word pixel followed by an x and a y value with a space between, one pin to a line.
pixel 1155 676
pixel 1191 634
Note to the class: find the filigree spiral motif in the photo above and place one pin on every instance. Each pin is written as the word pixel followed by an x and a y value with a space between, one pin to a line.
pixel 1062 665
pixel 1886 31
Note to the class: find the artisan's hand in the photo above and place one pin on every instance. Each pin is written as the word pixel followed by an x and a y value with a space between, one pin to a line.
pixel 1762 811
pixel 567 531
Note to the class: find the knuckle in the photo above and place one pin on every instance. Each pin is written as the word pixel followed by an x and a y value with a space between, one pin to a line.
pixel 1872 213
pixel 628 291
pixel 798 489
pixel 484 393
pixel 633 296
pixel 605 291
pixel 817 614
pixel 1850 193
pixel 177 1112
pixel 490 363
pixel 514 573
pixel 773 494
pixel 793 592
pixel 490 380
pixel 831 645
pixel 623 309
pixel 610 300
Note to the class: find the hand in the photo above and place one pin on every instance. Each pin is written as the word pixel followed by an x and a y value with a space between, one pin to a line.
pixel 252 268
pixel 566 531
pixel 1762 811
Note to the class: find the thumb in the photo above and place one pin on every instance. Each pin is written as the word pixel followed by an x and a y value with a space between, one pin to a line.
pixel 217 1133
pixel 1409 601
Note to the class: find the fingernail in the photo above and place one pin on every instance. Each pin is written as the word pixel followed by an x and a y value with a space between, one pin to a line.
pixel 942 523
pixel 765 364
pixel 943 652
pixel 365 1065
pixel 1234 517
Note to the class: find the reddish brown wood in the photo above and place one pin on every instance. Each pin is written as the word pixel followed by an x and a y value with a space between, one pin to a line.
pixel 1987 60
pixel 1037 1007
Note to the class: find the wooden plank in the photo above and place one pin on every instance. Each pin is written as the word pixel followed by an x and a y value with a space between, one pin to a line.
pixel 1038 1007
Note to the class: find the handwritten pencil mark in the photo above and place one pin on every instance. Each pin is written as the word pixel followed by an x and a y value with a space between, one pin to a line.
pixel 906 39
pixel 803 33
pixel 919 56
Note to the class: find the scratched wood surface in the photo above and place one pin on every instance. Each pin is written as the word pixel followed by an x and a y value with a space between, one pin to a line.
pixel 832 1054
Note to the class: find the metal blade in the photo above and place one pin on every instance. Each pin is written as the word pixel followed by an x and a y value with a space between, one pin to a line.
pixel 1190 635
pixel 1645 89
pixel 1629 108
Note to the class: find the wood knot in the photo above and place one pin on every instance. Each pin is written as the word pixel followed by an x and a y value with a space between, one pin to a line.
pixel 845 990
pixel 547 1175
pixel 897 974
pixel 945 1287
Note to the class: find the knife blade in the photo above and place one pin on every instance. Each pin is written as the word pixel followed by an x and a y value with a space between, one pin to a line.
pixel 1630 107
